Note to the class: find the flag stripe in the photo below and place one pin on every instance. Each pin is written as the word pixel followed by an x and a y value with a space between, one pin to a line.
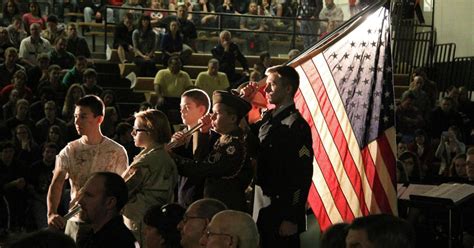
pixel 317 206
pixel 377 187
pixel 335 143
pixel 339 184
pixel 323 176
pixel 354 149
pixel 384 160
pixel 388 156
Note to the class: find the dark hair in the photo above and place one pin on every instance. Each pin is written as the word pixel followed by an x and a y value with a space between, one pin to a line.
pixel 17 18
pixel 89 72
pixel 420 132
pixel 38 8
pixel 94 103
pixel 145 104
pixel 44 238
pixel 174 58
pixel 17 142
pixel 122 128
pixel 80 58
pixel 6 144
pixel 416 173
pixel 53 67
pixel 108 92
pixel 52 18
pixel 166 219
pixel 200 97
pixel 182 6
pixel 263 55
pixel 50 145
pixel 386 231
pixel 114 186
pixel 420 71
pixel 140 25
pixel 128 15
pixel 335 236
pixel 288 76
pixel 208 207
pixel 16 12
pixel 56 129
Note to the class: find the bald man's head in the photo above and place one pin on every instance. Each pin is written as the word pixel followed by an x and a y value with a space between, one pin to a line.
pixel 220 233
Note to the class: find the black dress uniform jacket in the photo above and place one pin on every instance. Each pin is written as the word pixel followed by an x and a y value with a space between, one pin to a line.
pixel 284 168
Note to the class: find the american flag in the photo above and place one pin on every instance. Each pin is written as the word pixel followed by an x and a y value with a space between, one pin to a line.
pixel 346 96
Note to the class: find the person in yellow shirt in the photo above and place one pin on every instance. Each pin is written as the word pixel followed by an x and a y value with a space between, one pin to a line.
pixel 170 83
pixel 212 79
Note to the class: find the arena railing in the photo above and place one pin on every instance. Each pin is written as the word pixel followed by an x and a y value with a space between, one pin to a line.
pixel 290 21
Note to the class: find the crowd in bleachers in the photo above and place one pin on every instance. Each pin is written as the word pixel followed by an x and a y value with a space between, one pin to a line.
pixel 436 128
pixel 435 146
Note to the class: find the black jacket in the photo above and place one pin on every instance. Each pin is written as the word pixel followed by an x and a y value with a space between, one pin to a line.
pixel 285 168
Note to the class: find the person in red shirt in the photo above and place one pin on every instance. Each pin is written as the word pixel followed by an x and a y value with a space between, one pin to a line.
pixel 18 83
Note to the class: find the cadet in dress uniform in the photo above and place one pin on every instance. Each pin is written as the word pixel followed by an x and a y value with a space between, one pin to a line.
pixel 284 163
pixel 225 168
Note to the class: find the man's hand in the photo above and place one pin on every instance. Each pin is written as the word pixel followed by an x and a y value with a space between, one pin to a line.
pixel 249 91
pixel 178 138
pixel 56 221
pixel 287 228
pixel 206 123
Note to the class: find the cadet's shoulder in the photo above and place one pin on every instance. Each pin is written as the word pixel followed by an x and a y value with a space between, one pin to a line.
pixel 294 119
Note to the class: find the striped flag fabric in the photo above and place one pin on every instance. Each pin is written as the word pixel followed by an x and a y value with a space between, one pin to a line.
pixel 346 96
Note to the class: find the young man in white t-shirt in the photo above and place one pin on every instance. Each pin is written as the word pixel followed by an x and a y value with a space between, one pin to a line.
pixel 93 152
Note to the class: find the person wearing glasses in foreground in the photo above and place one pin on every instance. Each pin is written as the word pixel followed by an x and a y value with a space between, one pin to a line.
pixel 193 225
pixel 242 233
pixel 152 176
pixel 93 152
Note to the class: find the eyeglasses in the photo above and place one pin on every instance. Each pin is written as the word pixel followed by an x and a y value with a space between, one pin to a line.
pixel 209 234
pixel 186 218
pixel 136 130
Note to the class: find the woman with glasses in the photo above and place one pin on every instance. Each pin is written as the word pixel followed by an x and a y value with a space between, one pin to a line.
pixel 28 149
pixel 152 176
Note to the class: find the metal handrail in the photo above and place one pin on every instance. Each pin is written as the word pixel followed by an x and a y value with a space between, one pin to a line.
pixel 219 28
